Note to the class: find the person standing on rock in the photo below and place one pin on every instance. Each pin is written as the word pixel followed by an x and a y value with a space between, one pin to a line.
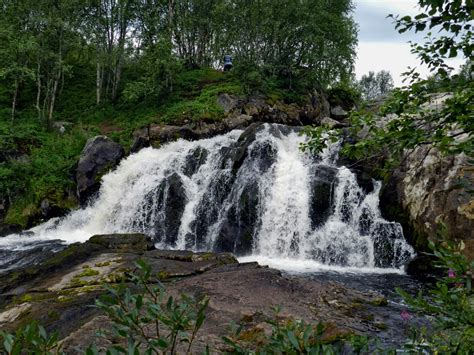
pixel 227 62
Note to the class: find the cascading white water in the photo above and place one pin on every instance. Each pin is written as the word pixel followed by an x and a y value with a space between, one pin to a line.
pixel 258 194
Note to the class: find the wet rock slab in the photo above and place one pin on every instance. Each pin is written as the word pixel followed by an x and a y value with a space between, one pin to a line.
pixel 61 291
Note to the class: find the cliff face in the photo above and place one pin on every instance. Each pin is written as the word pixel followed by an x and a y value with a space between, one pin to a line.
pixel 432 189
pixel 429 188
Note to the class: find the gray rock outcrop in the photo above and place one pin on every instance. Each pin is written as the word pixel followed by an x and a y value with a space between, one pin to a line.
pixel 433 188
pixel 99 156
pixel 239 113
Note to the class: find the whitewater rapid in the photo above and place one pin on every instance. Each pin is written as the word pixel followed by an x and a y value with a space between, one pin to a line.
pixel 198 195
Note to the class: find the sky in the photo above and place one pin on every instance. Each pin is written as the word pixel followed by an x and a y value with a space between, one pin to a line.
pixel 381 47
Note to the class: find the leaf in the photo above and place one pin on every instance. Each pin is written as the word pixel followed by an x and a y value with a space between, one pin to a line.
pixel 292 338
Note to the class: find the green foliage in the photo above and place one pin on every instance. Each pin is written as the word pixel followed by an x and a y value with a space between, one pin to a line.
pixel 374 85
pixel 419 121
pixel 30 339
pixel 319 137
pixel 344 95
pixel 450 303
pixel 43 169
pixel 452 19
pixel 149 319
pixel 287 337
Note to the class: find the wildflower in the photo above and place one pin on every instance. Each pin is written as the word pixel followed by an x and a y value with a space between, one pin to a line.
pixel 405 315
pixel 451 274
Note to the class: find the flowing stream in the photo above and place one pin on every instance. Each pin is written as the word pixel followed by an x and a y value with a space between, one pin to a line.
pixel 252 192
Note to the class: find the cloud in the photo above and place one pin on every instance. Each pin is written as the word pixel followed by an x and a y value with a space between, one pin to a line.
pixel 381 47
pixel 394 57
pixel 374 26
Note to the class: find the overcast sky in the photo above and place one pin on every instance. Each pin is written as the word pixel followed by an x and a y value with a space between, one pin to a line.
pixel 381 47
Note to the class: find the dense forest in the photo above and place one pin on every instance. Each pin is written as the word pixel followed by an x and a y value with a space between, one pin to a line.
pixel 132 49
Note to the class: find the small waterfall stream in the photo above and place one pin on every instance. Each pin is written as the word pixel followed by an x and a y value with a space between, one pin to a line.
pixel 252 192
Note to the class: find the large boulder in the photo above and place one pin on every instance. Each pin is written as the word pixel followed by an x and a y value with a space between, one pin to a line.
pixel 164 207
pixel 249 162
pixel 229 103
pixel 338 113
pixel 98 157
pixel 322 184
pixel 432 188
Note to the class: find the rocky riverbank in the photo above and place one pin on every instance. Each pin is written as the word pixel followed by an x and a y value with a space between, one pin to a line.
pixel 60 292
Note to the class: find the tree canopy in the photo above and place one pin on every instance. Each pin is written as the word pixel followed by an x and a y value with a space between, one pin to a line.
pixel 417 122
pixel 374 85
pixel 134 48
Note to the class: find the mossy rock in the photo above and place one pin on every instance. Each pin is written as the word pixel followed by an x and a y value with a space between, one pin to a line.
pixel 123 242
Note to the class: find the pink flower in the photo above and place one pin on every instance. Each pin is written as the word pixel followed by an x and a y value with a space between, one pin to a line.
pixel 405 315
pixel 451 274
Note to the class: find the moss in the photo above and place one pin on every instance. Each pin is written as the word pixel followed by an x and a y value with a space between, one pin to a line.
pixel 163 275
pixel 54 315
pixel 64 299
pixel 78 290
pixel 379 302
pixel 26 298
pixel 78 282
pixel 22 213
pixel 32 297
pixel 103 264
pixel 88 271
pixel 206 256
pixel 254 335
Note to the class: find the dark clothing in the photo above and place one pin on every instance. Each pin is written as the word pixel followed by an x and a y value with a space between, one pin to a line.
pixel 227 62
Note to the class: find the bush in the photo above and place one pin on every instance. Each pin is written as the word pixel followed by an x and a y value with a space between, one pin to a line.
pixel 149 320
pixel 344 95
pixel 450 303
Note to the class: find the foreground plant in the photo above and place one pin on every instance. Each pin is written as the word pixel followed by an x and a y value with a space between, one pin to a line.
pixel 290 336
pixel 149 321
pixel 450 303
pixel 29 339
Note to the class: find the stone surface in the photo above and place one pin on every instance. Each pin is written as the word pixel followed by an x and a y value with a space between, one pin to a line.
pixel 99 156
pixel 6 229
pixel 50 210
pixel 329 122
pixel 239 113
pixel 321 194
pixel 61 297
pixel 229 102
pixel 432 188
pixel 123 242
pixel 338 113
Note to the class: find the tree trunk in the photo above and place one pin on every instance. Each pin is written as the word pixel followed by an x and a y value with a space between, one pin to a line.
pixel 15 95
pixel 53 98
pixel 98 83
pixel 38 93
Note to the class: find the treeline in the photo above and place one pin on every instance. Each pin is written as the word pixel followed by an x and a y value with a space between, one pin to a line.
pixel 133 49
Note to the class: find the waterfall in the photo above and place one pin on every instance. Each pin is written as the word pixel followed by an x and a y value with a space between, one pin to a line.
pixel 252 192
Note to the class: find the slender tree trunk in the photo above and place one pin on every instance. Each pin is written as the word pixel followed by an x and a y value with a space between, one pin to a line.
pixel 38 88
pixel 53 98
pixel 15 95
pixel 98 83
pixel 47 98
